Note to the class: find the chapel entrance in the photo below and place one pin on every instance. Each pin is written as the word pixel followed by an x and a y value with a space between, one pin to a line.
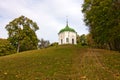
pixel 72 41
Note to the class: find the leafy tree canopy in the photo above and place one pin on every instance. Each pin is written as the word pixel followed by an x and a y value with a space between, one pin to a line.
pixel 103 19
pixel 22 34
pixel 5 47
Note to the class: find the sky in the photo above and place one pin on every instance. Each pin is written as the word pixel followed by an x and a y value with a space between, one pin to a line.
pixel 50 16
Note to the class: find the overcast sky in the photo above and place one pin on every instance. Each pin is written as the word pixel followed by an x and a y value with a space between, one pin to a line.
pixel 50 15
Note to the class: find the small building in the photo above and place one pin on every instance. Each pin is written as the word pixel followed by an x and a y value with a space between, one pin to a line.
pixel 67 35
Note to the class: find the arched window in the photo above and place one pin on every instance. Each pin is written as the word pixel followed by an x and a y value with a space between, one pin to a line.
pixel 67 40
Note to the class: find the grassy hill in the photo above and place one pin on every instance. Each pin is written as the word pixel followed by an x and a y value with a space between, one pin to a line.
pixel 65 62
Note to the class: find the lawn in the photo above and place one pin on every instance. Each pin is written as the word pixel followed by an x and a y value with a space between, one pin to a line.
pixel 66 62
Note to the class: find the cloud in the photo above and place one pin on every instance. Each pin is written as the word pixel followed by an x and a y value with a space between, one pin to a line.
pixel 50 15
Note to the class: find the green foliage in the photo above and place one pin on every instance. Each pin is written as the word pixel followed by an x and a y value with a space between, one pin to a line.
pixel 103 20
pixel 90 41
pixel 82 40
pixel 78 39
pixel 21 33
pixel 54 44
pixel 5 47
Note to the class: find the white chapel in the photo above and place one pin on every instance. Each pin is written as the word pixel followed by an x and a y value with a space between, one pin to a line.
pixel 67 35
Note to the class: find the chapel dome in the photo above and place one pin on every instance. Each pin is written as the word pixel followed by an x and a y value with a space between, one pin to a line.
pixel 67 28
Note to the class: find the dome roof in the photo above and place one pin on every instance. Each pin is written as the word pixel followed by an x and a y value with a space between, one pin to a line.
pixel 67 28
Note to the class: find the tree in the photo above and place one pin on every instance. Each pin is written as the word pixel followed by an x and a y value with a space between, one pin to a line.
pixel 43 43
pixel 78 39
pixel 21 33
pixel 83 40
pixel 90 41
pixel 5 47
pixel 103 19
pixel 54 44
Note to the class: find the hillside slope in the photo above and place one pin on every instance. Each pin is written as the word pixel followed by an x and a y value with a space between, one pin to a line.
pixel 65 62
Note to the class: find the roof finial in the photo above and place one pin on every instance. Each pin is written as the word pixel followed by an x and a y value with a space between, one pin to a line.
pixel 66 20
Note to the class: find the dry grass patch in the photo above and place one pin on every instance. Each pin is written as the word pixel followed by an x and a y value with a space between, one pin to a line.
pixel 65 62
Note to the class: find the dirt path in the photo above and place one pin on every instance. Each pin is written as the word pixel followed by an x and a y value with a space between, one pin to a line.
pixel 87 66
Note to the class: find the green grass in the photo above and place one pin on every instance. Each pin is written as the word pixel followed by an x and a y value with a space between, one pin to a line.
pixel 66 62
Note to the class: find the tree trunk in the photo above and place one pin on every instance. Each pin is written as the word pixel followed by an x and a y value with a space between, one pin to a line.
pixel 18 47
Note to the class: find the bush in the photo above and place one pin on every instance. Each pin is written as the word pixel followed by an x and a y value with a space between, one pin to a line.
pixel 5 47
pixel 54 44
